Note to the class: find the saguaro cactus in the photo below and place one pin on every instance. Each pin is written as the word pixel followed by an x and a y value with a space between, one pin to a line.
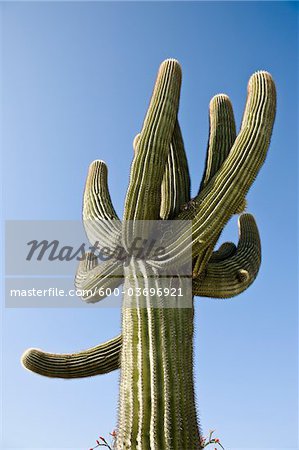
pixel 157 407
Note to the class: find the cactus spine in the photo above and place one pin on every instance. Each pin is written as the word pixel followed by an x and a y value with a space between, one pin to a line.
pixel 155 352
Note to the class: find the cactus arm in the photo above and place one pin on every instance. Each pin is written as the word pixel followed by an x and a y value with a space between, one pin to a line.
pixel 94 279
pixel 153 146
pixel 233 272
pixel 221 136
pixel 219 200
pixel 175 189
pixel 97 202
pixel 99 217
pixel 98 360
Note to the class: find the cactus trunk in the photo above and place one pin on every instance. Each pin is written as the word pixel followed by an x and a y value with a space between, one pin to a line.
pixel 157 406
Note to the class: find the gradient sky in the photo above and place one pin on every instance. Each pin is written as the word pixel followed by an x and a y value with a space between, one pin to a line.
pixel 76 81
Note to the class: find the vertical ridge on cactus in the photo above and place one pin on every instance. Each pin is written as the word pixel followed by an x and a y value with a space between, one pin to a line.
pixel 157 408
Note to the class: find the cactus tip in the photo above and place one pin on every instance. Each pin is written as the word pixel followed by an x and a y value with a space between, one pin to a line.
pixel 26 355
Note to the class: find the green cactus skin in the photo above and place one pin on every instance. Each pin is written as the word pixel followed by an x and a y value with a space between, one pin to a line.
pixel 155 351
pixel 98 360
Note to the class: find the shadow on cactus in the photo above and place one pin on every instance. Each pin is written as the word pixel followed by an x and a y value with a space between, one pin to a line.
pixel 155 351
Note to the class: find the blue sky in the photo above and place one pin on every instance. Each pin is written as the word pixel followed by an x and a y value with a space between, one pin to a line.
pixel 76 81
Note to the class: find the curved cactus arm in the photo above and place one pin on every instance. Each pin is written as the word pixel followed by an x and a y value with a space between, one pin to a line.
pixel 103 358
pixel 219 200
pixel 231 275
pixel 175 189
pixel 93 280
pixel 97 202
pixel 100 220
pixel 153 146
pixel 221 136
pixel 226 250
